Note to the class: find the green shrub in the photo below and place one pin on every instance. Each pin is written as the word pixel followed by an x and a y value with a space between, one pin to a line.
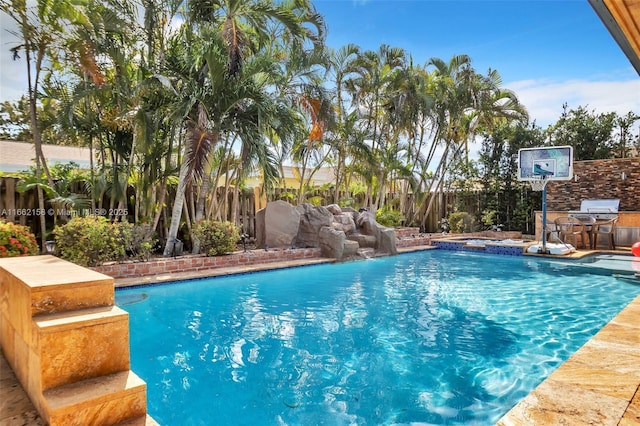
pixel 389 217
pixel 139 245
pixel 92 240
pixel 16 240
pixel 316 200
pixel 461 222
pixel 216 237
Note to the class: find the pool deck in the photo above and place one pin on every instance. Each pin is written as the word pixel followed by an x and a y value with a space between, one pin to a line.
pixel 598 385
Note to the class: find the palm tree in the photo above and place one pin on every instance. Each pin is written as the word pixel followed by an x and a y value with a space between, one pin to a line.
pixel 39 27
pixel 370 91
pixel 220 98
pixel 343 64
pixel 466 103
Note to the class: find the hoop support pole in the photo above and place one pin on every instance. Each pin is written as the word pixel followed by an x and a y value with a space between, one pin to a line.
pixel 544 250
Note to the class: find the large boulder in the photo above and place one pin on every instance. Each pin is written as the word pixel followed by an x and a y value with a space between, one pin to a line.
pixel 385 238
pixel 344 222
pixel 312 219
pixel 350 249
pixel 367 224
pixel 334 209
pixel 364 240
pixel 277 225
pixel 331 242
pixel 339 233
pixel 387 241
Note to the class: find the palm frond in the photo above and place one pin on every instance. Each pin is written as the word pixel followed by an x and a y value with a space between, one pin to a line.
pixel 200 142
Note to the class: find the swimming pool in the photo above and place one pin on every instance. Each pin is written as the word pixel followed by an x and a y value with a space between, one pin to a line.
pixel 436 337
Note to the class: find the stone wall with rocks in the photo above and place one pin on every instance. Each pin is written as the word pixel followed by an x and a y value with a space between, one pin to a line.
pixel 340 233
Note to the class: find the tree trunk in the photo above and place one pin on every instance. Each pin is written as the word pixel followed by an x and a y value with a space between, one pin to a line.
pixel 176 212
pixel 200 203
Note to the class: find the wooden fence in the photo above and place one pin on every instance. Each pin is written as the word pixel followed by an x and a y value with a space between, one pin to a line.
pixel 22 207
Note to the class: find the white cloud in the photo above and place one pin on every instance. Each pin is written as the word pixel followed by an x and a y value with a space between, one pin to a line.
pixel 544 98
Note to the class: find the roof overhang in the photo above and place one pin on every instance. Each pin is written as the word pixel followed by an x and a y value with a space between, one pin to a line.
pixel 622 19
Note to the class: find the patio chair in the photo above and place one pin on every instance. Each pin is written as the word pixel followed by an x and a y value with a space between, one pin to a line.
pixel 589 227
pixel 551 232
pixel 570 228
pixel 606 229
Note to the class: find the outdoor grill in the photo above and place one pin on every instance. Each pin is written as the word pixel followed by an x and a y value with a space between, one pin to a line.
pixel 600 209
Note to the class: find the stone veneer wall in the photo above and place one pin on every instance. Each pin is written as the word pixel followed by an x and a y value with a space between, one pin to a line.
pixel 200 262
pixel 598 179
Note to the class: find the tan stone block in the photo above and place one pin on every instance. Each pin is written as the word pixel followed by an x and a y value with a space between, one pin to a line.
pixel 555 403
pixel 66 298
pixel 55 285
pixel 7 335
pixel 629 317
pixel 100 401
pixel 632 415
pixel 597 378
pixel 619 334
pixel 610 356
pixel 76 346
pixel 20 361
pixel 18 299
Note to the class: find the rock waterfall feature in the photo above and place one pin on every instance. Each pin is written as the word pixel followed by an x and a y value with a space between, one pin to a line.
pixel 340 233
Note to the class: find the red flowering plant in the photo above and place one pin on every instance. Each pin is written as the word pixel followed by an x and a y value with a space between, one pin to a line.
pixel 16 240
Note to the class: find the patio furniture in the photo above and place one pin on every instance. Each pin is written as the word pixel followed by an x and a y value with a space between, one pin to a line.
pixel 570 228
pixel 589 223
pixel 607 230
pixel 551 232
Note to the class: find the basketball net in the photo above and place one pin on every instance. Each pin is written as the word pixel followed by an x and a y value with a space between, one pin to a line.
pixel 539 183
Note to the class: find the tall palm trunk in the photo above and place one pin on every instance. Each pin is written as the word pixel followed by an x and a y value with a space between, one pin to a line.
pixel 176 212
pixel 41 162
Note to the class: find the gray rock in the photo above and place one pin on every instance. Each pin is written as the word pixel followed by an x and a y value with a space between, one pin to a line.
pixel 261 237
pixel 339 233
pixel 334 209
pixel 331 242
pixel 345 222
pixel 277 225
pixel 387 241
pixel 367 223
pixel 364 240
pixel 312 219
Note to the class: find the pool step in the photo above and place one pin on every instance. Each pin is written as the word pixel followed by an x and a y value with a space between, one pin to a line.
pixel 109 399
pixel 45 285
pixel 78 345
pixel 68 343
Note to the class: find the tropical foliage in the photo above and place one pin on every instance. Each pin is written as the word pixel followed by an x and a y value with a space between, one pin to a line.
pixel 179 101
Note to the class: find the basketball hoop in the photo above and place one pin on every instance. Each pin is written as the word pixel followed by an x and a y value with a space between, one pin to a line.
pixel 539 183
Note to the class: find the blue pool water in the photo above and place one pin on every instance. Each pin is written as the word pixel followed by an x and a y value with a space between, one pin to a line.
pixel 436 337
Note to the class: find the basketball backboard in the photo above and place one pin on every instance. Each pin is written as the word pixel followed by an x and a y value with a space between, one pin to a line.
pixel 553 163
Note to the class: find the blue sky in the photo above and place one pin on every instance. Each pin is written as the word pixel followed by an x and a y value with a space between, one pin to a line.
pixel 547 51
